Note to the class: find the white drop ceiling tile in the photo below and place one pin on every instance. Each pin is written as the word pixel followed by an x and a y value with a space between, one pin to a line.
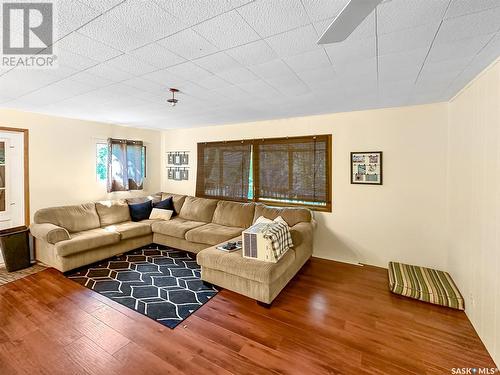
pixel 253 53
pixel 362 68
pixel 238 3
pixel 227 30
pixel 320 9
pixel 189 71
pixel 56 92
pixel 468 26
pixel 401 66
pixel 192 12
pixel 157 55
pixel 445 66
pixel 461 7
pixel 130 64
pixel 238 76
pixel 289 86
pixel 407 39
pixel 109 30
pixel 70 16
pixel 294 41
pixel 188 44
pixel 459 49
pixel 218 62
pixel 234 92
pixel 19 82
pixel 259 88
pixel 346 53
pixel 82 45
pixel 212 82
pixel 317 76
pixel 271 69
pixel 395 88
pixel 398 15
pixel 426 80
pixel 142 84
pixel 272 17
pixel 107 72
pixel 4 98
pixel 147 17
pixel 308 61
pixel 101 5
pixel 91 79
pixel 485 57
pixel 66 59
pixel 164 77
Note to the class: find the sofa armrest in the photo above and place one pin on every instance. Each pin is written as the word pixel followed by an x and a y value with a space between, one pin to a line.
pixel 49 233
pixel 302 235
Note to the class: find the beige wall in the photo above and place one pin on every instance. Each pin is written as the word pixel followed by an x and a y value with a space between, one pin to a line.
pixel 474 203
pixel 62 157
pixel 403 220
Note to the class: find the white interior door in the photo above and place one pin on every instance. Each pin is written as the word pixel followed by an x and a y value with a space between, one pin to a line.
pixel 11 180
pixel 5 212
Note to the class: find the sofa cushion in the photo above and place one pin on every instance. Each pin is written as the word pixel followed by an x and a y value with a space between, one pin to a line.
pixel 291 215
pixel 178 200
pixel 166 204
pixel 233 263
pixel 176 227
pixel 130 229
pixel 198 209
pixel 75 218
pixel 140 211
pixel 86 240
pixel 153 197
pixel 212 234
pixel 112 212
pixel 234 214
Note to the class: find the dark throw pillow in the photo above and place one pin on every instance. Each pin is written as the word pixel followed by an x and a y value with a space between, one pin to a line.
pixel 140 211
pixel 167 204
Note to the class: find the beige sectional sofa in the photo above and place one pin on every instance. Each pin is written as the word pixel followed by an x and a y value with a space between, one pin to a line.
pixel 73 236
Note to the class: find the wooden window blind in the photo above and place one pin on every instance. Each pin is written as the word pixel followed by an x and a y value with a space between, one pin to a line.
pixel 293 171
pixel 277 171
pixel 223 170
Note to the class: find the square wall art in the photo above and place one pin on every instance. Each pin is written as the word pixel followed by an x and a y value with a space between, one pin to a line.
pixel 366 168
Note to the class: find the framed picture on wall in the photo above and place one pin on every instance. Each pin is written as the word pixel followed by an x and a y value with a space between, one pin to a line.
pixel 366 168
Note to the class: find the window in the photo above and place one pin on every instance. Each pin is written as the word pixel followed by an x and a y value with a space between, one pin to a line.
pixel 278 171
pixel 224 170
pixel 127 166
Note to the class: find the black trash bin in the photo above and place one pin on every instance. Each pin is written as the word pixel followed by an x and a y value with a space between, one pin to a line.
pixel 14 243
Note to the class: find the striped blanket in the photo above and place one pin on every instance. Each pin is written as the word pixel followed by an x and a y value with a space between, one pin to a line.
pixel 279 235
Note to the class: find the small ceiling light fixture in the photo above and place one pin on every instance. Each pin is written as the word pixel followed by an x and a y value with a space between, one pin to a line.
pixel 173 101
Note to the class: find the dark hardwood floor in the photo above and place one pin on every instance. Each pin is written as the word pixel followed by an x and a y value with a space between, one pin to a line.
pixel 332 318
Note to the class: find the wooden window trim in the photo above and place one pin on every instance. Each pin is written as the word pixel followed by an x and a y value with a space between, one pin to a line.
pixel 256 167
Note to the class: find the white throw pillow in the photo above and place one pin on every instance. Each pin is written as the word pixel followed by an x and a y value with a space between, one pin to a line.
pixel 262 219
pixel 159 213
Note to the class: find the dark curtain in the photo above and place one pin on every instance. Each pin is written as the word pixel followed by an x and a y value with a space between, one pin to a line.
pixel 125 165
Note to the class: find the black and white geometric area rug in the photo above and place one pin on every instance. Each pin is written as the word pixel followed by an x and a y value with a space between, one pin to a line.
pixel 159 282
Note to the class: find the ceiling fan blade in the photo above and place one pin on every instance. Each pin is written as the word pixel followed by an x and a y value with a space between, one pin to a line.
pixel 348 20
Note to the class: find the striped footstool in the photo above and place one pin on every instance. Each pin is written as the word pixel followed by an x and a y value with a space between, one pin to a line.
pixel 424 284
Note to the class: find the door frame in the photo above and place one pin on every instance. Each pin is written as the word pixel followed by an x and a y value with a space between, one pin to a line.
pixel 26 170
